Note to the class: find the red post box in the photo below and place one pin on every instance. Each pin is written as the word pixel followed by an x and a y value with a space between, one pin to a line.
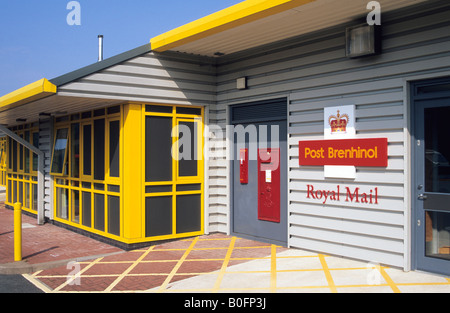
pixel 243 162
pixel 269 185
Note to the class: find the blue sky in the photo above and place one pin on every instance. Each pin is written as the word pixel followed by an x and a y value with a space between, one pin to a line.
pixel 36 40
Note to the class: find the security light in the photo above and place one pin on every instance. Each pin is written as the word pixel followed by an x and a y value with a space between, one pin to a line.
pixel 363 40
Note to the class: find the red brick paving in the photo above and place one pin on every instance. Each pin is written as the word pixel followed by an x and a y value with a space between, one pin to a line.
pixel 51 243
pixel 46 243
pixel 152 271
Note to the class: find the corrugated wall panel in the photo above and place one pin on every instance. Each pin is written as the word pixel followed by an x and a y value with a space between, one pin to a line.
pixel 45 145
pixel 150 78
pixel 314 72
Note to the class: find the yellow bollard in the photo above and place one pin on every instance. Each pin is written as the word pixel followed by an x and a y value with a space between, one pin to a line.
pixel 17 232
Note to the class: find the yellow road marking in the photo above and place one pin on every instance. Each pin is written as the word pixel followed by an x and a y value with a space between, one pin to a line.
pixel 175 269
pixel 273 269
pixel 129 269
pixel 69 281
pixel 224 265
pixel 37 283
pixel 327 273
pixel 388 279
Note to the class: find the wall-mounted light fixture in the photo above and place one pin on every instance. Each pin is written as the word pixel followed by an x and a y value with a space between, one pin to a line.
pixel 241 83
pixel 363 40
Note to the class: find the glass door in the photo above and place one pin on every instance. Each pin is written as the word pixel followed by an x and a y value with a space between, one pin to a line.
pixel 432 197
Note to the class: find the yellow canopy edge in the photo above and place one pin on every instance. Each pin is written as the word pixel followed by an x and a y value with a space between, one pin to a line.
pixel 239 14
pixel 35 91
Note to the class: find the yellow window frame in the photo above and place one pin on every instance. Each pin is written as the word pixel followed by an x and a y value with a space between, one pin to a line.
pixel 176 179
pixel 83 176
pixel 28 180
pixel 113 180
pixel 87 183
pixel 199 153
pixel 64 161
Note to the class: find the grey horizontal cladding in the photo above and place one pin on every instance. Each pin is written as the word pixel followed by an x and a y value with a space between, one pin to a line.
pixel 314 72
pixel 326 68
pixel 142 91
pixel 351 251
pixel 290 83
pixel 45 144
pixel 85 71
pixel 149 77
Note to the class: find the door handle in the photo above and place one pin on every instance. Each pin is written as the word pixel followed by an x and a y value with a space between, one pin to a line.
pixel 422 197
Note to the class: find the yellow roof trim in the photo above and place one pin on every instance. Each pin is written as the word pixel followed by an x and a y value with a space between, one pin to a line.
pixel 237 15
pixel 35 91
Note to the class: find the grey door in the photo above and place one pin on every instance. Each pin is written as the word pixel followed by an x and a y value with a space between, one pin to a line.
pixel 247 220
pixel 431 193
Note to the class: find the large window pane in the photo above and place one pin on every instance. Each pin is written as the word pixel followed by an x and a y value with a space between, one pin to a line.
pixel 35 197
pixel 114 215
pixel 20 192
pixel 158 148
pixel 75 206
pixel 75 150
pixel 99 149
pixel 158 216
pixel 87 129
pixel 27 153
pixel 59 151
pixel 188 213
pixel 10 191
pixel 188 163
pixel 27 199
pixel 99 212
pixel 14 155
pixel 62 203
pixel 437 150
pixel 35 156
pixel 86 198
pixel 114 149
pixel 21 155
pixel 437 230
pixel 15 191
pixel 10 156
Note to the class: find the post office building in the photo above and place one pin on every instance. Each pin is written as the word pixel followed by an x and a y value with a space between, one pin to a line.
pixel 312 124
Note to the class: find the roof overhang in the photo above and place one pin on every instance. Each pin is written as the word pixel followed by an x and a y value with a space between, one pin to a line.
pixel 32 92
pixel 229 18
pixel 42 97
pixel 255 23
pixel 54 105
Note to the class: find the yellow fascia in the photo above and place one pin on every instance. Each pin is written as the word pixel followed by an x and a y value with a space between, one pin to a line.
pixel 237 15
pixel 35 91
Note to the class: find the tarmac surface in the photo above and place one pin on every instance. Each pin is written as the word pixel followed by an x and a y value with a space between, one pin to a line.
pixel 56 260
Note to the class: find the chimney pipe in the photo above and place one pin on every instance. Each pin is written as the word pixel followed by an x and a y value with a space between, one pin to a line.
pixel 100 48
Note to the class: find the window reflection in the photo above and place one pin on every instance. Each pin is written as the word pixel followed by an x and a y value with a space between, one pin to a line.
pixel 437 150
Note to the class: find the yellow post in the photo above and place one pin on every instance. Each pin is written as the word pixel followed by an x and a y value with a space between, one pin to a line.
pixel 17 232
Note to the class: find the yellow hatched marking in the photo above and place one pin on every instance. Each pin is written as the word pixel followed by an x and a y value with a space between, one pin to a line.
pixel 273 269
pixel 224 265
pixel 69 281
pixel 327 273
pixel 388 279
pixel 422 284
pixel 37 273
pixel 206 239
pixel 37 283
pixel 175 269
pixel 129 269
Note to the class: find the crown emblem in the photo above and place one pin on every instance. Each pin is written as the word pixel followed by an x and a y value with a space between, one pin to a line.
pixel 338 123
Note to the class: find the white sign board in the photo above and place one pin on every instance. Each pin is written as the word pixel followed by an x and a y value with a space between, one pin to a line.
pixel 339 123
